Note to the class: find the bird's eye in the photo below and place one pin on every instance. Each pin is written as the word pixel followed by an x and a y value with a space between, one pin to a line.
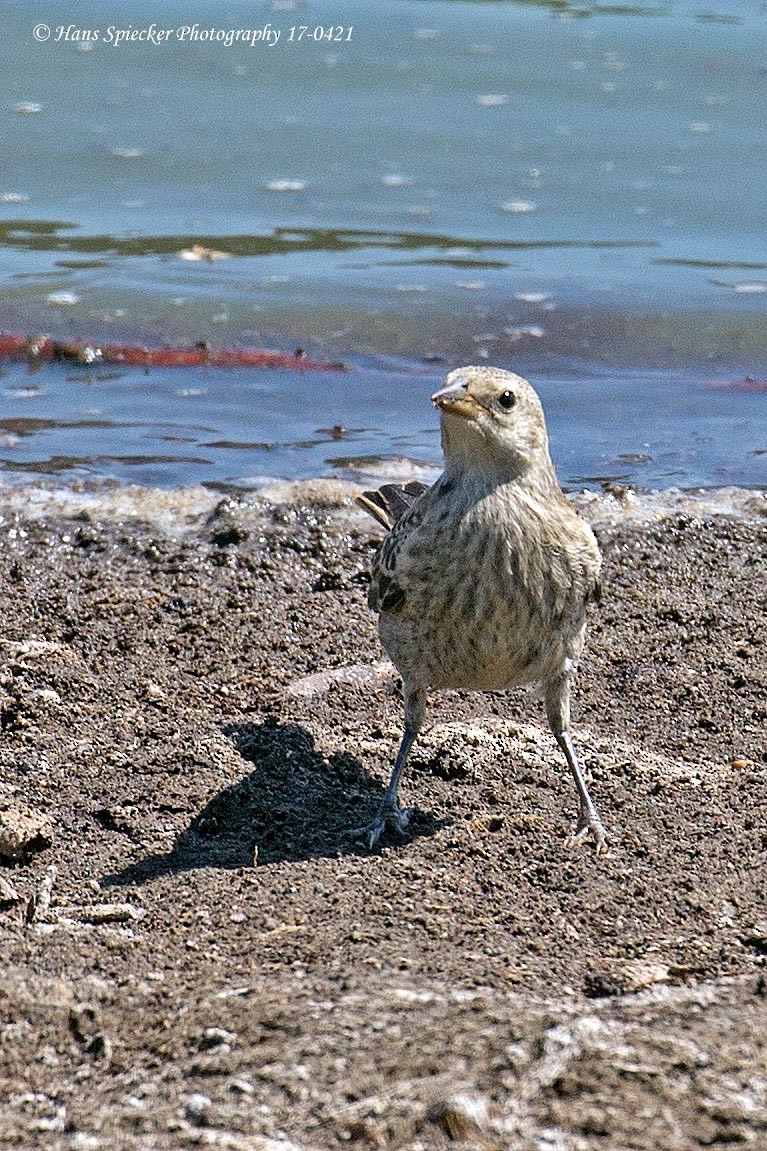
pixel 507 400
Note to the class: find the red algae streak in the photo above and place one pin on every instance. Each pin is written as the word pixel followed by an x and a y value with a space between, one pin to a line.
pixel 744 384
pixel 14 346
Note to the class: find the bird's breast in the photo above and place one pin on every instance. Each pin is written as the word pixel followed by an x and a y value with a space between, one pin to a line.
pixel 482 610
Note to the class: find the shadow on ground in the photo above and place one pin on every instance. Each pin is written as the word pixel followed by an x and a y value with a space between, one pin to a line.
pixel 294 805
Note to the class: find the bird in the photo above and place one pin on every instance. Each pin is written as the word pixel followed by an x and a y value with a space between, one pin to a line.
pixel 482 581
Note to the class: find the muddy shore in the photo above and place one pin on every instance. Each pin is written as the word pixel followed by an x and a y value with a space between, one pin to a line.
pixel 195 710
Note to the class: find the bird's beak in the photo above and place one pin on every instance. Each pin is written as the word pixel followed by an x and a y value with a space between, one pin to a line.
pixel 455 400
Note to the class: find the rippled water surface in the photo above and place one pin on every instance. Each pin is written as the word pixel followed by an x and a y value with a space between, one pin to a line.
pixel 574 190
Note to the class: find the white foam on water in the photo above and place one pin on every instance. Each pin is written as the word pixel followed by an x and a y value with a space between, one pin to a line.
pixel 177 510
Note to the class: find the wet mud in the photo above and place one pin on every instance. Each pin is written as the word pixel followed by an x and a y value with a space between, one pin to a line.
pixel 195 710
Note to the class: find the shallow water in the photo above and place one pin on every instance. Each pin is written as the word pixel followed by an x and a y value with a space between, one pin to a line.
pixel 573 190
pixel 234 429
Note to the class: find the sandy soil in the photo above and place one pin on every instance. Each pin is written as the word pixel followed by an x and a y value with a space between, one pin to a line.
pixel 194 712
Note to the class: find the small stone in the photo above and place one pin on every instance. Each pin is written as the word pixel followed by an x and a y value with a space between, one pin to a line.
pixel 463 1117
pixel 242 1087
pixel 46 695
pixel 624 976
pixel 491 823
pixel 216 1037
pixel 84 1140
pixel 8 893
pixel 109 913
pixel 363 1131
pixel 756 937
pixel 23 831
pixel 196 1107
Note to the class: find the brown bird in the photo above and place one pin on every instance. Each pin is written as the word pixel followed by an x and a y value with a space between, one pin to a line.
pixel 483 579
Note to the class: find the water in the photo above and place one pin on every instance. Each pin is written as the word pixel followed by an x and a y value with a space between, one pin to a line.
pixel 573 190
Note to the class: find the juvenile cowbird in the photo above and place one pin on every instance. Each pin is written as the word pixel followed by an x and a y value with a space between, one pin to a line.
pixel 483 579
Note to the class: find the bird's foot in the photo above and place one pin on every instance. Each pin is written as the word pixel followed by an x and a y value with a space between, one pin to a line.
pixel 388 816
pixel 589 824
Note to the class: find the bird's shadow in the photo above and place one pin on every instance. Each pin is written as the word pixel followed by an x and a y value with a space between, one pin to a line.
pixel 294 804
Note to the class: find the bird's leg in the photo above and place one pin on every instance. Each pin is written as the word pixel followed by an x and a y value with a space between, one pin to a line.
pixel 558 713
pixel 589 822
pixel 389 813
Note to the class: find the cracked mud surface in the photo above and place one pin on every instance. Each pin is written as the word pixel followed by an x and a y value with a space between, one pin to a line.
pixel 179 703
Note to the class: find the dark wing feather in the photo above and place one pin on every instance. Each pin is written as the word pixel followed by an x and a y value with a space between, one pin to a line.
pixel 394 506
pixel 390 502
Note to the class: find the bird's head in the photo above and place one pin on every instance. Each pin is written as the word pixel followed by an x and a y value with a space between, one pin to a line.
pixel 493 419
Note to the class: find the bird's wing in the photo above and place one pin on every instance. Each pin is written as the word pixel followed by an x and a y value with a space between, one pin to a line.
pixel 386 591
pixel 585 560
pixel 389 503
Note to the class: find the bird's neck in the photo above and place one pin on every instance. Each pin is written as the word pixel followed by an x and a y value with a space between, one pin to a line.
pixel 483 474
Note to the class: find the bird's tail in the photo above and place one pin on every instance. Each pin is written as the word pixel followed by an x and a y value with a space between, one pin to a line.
pixel 390 502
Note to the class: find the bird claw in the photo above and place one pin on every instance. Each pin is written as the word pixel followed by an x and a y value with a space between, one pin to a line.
pixel 589 824
pixel 394 818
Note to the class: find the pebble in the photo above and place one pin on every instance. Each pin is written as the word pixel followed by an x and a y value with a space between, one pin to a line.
pixel 464 1117
pixel 354 675
pixel 195 1107
pixel 109 913
pixel 32 648
pixel 153 691
pixel 8 893
pixel 45 695
pixel 624 976
pixel 216 1037
pixel 23 831
pixel 242 1087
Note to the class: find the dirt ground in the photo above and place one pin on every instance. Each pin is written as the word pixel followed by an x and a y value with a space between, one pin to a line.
pixel 195 711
